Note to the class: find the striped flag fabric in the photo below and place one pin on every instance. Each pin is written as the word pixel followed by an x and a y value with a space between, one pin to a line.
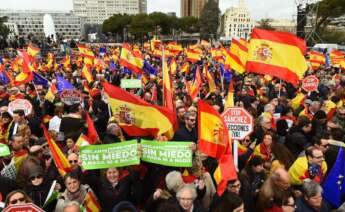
pixel 32 50
pixel 86 73
pixel 59 158
pixel 193 55
pixel 137 117
pixel 278 54
pixel 238 56
pixel 91 130
pixel 194 88
pixel 316 59
pixel 229 102
pixel 131 60
pixel 91 203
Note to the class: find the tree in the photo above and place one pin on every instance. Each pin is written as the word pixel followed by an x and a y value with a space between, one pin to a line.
pixel 189 24
pixel 209 20
pixel 325 10
pixel 140 26
pixel 265 23
pixel 4 30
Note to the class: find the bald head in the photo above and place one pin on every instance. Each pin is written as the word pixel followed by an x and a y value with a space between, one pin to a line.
pixel 281 178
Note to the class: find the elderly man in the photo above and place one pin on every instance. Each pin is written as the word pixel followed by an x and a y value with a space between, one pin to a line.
pixel 72 207
pixel 186 197
pixel 311 200
pixel 275 190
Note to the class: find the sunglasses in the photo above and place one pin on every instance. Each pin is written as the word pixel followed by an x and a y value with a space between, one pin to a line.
pixel 36 177
pixel 73 161
pixel 15 201
pixel 246 140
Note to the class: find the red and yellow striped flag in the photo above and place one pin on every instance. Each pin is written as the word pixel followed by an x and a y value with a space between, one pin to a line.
pixel 173 66
pixel 336 57
pixel 33 50
pixel 210 80
pixel 278 54
pixel 193 55
pixel 83 140
pixel 185 68
pixel 216 54
pixel 193 90
pixel 137 117
pixel 59 158
pixel 316 59
pixel 86 73
pixel 91 203
pixel 238 56
pixel 230 97
pixel 132 60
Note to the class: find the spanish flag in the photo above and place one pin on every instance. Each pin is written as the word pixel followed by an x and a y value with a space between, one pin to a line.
pixel 185 68
pixel 86 73
pixel 210 80
pixel 299 171
pixel 59 158
pixel 336 57
pixel 213 133
pixel 229 102
pixel 174 48
pixel 238 56
pixel 137 117
pixel 297 100
pixel 316 59
pixel 173 66
pixel 83 140
pixel 244 42
pixel 32 50
pixel 193 55
pixel 167 88
pixel 52 91
pixel 90 203
pixel 91 130
pixel 23 78
pixel 193 90
pixel 85 51
pixel 131 60
pixel 66 62
pixel 216 54
pixel 278 54
pixel 342 64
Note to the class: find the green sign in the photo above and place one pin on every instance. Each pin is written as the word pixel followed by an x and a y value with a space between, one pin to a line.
pixel 131 83
pixel 169 153
pixel 4 150
pixel 109 155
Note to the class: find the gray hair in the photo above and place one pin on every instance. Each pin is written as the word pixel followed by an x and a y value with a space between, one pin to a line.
pixel 189 187
pixel 189 114
pixel 268 107
pixel 311 188
pixel 263 119
pixel 174 181
pixel 71 204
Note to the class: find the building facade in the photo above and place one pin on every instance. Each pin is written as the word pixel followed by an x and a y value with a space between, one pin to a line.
pixel 237 22
pixel 30 23
pixel 283 25
pixel 193 7
pixel 96 11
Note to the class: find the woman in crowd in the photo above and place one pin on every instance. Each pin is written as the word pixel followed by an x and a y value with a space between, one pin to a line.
pixel 282 157
pixel 114 188
pixel 74 191
pixel 17 197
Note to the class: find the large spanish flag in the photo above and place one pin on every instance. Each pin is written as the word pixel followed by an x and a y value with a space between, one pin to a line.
pixel 137 117
pixel 213 133
pixel 316 59
pixel 238 56
pixel 278 54
pixel 132 60
pixel 193 55
pixel 59 158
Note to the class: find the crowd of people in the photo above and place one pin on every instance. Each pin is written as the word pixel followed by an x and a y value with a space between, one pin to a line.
pixel 281 165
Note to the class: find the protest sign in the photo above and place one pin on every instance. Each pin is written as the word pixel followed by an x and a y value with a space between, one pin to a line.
pixel 26 207
pixel 70 97
pixel 239 122
pixel 310 83
pixel 109 155
pixel 20 104
pixel 131 83
pixel 4 150
pixel 169 153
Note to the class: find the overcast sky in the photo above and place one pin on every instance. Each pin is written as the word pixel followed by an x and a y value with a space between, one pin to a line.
pixel 277 9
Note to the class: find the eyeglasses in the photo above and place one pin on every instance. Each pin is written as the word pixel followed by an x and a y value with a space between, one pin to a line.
pixel 35 177
pixel 73 161
pixel 15 201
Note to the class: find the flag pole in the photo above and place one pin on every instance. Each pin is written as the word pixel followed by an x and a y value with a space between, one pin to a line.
pixel 280 87
pixel 163 63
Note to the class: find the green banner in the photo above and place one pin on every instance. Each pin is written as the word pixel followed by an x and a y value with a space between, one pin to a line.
pixel 168 153
pixel 4 150
pixel 131 83
pixel 109 155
